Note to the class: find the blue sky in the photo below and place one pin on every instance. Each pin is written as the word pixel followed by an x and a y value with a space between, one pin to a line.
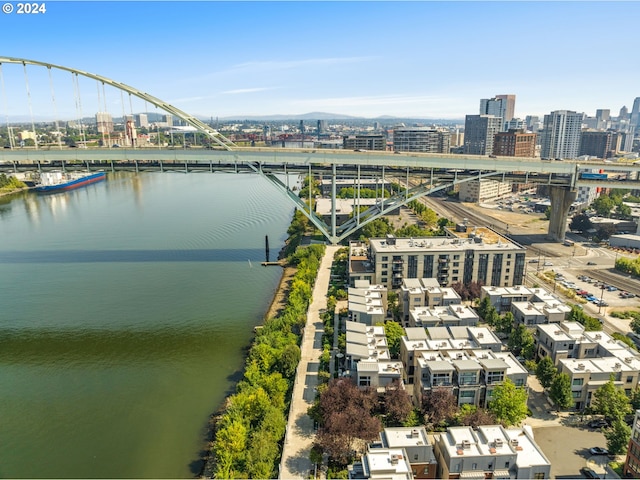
pixel 422 59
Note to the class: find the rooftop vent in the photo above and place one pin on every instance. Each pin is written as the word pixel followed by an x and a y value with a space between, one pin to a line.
pixel 466 444
pixel 480 335
pixel 581 366
pixel 497 442
pixel 514 442
pixel 415 433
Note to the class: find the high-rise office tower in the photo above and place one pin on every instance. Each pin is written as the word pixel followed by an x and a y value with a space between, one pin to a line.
pixel 599 144
pixel 635 113
pixel 510 105
pixel 560 137
pixel 501 106
pixel 142 120
pixel 624 113
pixel 479 132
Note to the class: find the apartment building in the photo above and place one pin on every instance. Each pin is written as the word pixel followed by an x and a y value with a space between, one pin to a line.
pixel 421 139
pixel 364 142
pixel 418 340
pixel 483 190
pixel 600 144
pixel 417 446
pixel 588 375
pixel 589 358
pixel 631 467
pixel 443 316
pixel 470 375
pixel 367 359
pixel 503 297
pixel 419 292
pixel 479 132
pixel 560 137
pixel 381 464
pixel 481 257
pixel 490 452
pixel 367 303
pixel 515 143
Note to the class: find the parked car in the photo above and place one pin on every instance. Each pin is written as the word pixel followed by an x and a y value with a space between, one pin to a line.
pixel 598 451
pixel 611 288
pixel 588 472
pixel 533 260
pixel 601 423
pixel 591 263
pixel 548 264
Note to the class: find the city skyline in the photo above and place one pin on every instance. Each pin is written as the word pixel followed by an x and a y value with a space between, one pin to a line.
pixel 363 59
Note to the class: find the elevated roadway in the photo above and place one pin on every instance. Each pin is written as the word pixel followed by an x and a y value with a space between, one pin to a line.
pixel 435 171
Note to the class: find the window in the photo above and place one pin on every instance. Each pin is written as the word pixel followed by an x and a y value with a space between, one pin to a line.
pixel 495 377
pixel 365 381
pixel 415 457
pixel 467 394
pixel 578 381
pixel 385 272
pixel 629 379
pixel 385 258
pixel 474 466
pixel 576 394
pixel 539 476
pixel 383 279
pixel 506 464
pixel 385 265
pixel 520 382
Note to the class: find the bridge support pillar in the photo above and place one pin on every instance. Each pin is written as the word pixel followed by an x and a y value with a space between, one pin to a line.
pixel 561 200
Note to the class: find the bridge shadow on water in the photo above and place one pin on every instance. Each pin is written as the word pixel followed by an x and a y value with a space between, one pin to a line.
pixel 134 256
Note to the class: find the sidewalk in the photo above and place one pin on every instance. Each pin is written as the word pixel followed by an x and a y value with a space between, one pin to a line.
pixel 300 433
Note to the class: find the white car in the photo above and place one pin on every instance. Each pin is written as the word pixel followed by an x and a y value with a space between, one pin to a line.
pixel 548 264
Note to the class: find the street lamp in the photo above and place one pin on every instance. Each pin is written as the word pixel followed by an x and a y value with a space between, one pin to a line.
pixel 601 296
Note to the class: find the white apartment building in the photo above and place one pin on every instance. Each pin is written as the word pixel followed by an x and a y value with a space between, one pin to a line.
pixel 419 292
pixel 503 297
pixel 589 358
pixel 367 303
pixel 418 339
pixel 560 136
pixel 490 452
pixel 368 360
pixel 478 191
pixel 382 464
pixel 482 256
pixel 470 375
pixel 449 316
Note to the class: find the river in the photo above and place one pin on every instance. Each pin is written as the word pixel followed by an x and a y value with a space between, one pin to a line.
pixel 125 308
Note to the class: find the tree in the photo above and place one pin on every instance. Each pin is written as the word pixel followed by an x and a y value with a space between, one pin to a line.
pixel 394 332
pixel 560 391
pixel 393 304
pixel 546 371
pixel 605 231
pixel 483 306
pixel 624 211
pixel 610 401
pixel 521 342
pixel 603 205
pixel 635 399
pixel 580 223
pixel 473 416
pixel 617 437
pixel 547 213
pixel 509 404
pixel 439 406
pixel 504 323
pixel 346 415
pixel 397 405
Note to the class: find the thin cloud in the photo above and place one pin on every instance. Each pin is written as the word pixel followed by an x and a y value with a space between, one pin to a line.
pixel 373 100
pixel 246 90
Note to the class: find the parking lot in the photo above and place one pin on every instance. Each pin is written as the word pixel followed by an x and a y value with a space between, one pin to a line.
pixel 567 448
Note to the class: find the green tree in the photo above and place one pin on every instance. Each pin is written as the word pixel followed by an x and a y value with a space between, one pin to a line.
pixel 623 211
pixel 394 332
pixel 610 401
pixel 560 391
pixel 393 305
pixel 546 371
pixel 229 449
pixel 635 399
pixel 377 228
pixel 605 231
pixel 509 404
pixel 603 205
pixel 617 437
pixel 504 323
pixel 547 213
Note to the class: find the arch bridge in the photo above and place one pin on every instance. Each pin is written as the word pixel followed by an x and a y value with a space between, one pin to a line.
pixel 417 174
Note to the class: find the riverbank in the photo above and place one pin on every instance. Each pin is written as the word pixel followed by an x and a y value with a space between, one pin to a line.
pixel 4 193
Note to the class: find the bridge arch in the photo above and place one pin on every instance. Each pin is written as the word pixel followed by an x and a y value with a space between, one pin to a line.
pixel 213 134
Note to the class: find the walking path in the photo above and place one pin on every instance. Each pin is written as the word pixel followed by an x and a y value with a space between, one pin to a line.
pixel 300 434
